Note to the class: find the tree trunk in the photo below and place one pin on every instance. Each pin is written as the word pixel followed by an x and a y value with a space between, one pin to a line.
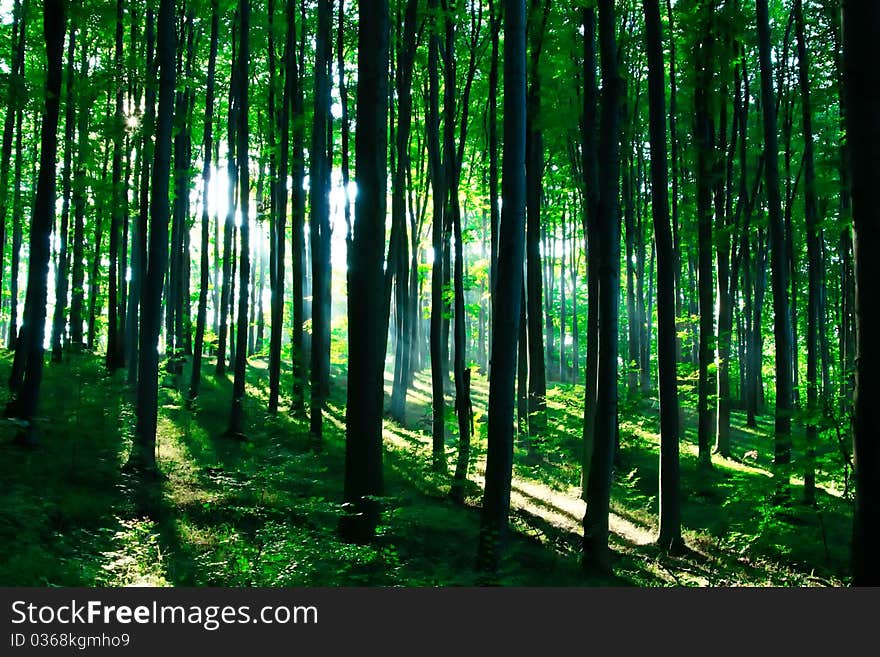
pixel 26 399
pixel 319 223
pixel 509 282
pixel 143 453
pixel 403 82
pixel 61 278
pixel 670 502
pixel 861 26
pixel 229 225
pixel 363 420
pixel 778 261
pixel 534 199
pixel 597 555
pixel 591 195
pixel 208 145
pixel 438 362
pixel 236 415
pixel 114 339
pixel 814 260
pixel 705 139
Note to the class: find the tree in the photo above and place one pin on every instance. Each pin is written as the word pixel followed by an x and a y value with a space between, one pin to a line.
pixel 811 211
pixel 319 223
pixel 705 138
pixel 596 552
pixel 236 416
pixel 27 397
pixel 506 317
pixel 861 24
pixel 438 187
pixel 534 193
pixel 290 83
pixel 208 145
pixel 363 419
pixel 778 259
pixel 670 503
pixel 143 452
pixel 59 316
pixel 114 338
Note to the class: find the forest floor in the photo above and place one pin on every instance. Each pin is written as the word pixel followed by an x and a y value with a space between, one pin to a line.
pixel 264 512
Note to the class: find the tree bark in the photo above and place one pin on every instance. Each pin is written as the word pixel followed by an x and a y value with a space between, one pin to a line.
pixel 778 261
pixel 511 251
pixel 143 453
pixel 597 555
pixel 861 22
pixel 363 438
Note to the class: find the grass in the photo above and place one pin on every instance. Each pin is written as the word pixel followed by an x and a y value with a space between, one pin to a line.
pixel 264 512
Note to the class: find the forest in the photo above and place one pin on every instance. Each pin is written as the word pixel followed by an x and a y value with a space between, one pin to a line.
pixel 439 293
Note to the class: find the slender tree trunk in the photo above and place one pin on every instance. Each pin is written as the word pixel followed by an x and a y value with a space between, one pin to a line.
pixel 670 503
pixel 597 555
pixel 208 145
pixel 114 340
pixel 26 399
pixel 279 236
pixel 139 246
pixel 61 278
pixel 534 198
pixel 511 250
pixel 814 260
pixel 319 223
pixel 591 195
pixel 143 453
pixel 438 362
pixel 236 415
pixel 705 166
pixel 861 26
pixel 778 261
pixel 229 225
pixel 94 277
pixel 13 110
pixel 363 439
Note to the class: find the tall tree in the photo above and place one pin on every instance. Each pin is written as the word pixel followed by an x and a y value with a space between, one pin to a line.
pixel 509 283
pixel 534 193
pixel 590 167
pixel 61 277
pixel 597 555
pixel 143 452
pixel 27 397
pixel 861 24
pixel 438 187
pixel 670 503
pixel 319 222
pixel 811 211
pixel 705 141
pixel 208 146
pixel 778 258
pixel 114 338
pixel 363 418
pixel 403 85
pixel 236 415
